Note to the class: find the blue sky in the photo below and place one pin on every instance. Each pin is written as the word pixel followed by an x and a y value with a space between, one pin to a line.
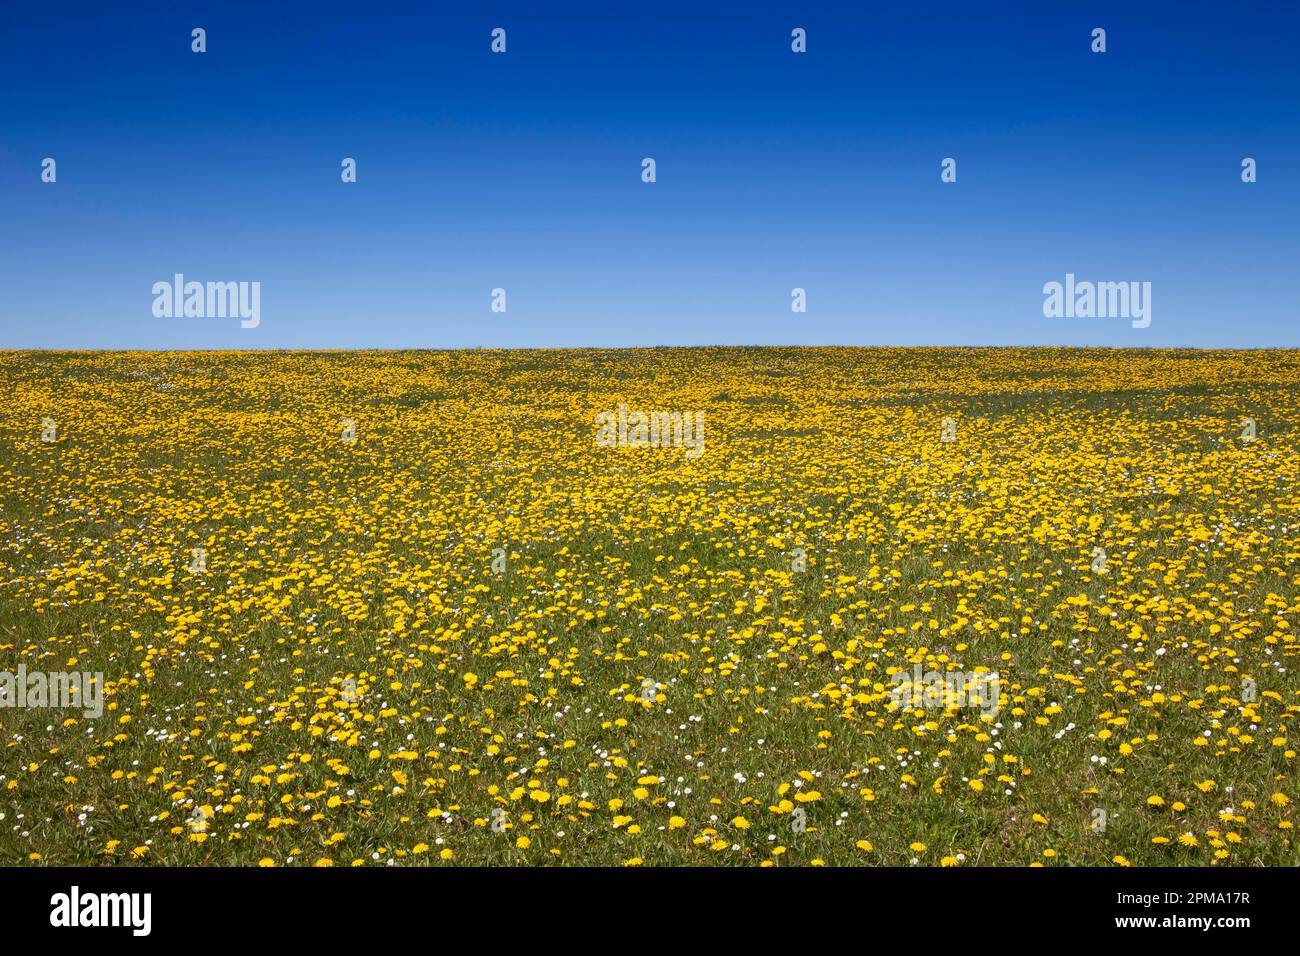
pixel 775 170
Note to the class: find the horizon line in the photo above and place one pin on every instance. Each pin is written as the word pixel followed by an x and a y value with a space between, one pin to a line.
pixel 648 348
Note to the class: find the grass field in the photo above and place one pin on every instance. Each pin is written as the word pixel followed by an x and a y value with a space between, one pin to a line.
pixel 670 659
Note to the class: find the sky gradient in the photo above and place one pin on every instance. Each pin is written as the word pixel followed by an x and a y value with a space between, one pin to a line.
pixel 775 170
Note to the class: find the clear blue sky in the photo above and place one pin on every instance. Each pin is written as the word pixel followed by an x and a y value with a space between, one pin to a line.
pixel 775 170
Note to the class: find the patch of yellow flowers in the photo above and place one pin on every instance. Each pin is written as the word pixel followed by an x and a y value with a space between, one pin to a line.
pixel 474 635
